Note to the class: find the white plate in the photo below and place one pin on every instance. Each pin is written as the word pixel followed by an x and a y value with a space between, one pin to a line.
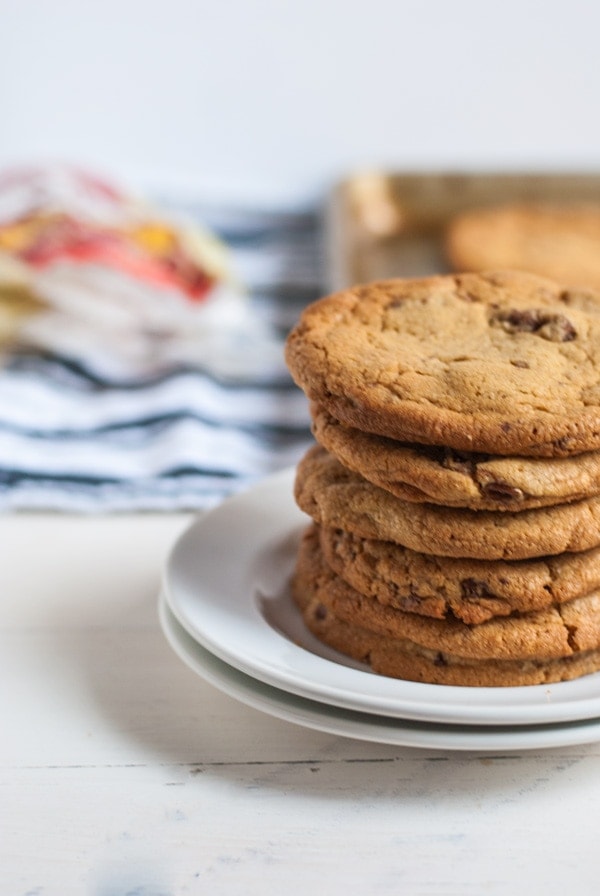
pixel 366 726
pixel 226 581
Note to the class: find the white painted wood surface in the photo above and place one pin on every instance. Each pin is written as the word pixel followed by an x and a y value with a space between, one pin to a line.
pixel 121 772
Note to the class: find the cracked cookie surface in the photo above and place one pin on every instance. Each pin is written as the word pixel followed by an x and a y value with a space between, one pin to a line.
pixel 423 473
pixel 552 645
pixel 504 363
pixel 442 587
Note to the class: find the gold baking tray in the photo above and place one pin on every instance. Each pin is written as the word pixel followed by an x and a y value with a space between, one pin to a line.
pixel 392 224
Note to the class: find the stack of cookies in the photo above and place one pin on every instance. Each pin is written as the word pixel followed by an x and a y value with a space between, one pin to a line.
pixel 454 487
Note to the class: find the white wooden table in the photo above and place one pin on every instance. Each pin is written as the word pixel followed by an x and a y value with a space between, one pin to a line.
pixel 122 772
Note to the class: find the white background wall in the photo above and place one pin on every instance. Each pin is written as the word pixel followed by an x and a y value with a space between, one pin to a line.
pixel 273 99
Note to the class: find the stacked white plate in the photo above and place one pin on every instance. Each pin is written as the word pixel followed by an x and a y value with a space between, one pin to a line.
pixel 226 610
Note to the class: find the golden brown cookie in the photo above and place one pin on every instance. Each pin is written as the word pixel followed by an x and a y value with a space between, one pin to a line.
pixel 501 363
pixel 458 479
pixel 547 634
pixel 397 659
pixel 548 646
pixel 444 587
pixel 340 499
pixel 557 241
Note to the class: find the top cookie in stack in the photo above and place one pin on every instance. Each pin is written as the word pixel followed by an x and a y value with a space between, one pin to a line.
pixel 503 363
pixel 459 427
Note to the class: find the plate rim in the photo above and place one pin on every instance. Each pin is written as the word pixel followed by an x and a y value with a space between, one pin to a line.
pixel 369 727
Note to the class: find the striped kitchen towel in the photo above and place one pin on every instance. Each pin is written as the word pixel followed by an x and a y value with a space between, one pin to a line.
pixel 82 432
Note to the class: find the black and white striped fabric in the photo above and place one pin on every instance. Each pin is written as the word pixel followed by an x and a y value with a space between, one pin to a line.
pixel 76 438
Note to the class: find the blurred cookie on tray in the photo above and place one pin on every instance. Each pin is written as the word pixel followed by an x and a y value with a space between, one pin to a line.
pixel 123 286
pixel 556 240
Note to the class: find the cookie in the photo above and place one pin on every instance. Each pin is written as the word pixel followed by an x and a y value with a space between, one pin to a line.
pixel 501 363
pixel 443 587
pixel 394 659
pixel 550 646
pixel 458 479
pixel 557 241
pixel 547 634
pixel 340 499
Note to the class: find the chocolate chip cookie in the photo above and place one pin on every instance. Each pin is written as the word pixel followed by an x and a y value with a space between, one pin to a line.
pixel 503 363
pixel 551 645
pixel 444 587
pixel 340 499
pixel 458 479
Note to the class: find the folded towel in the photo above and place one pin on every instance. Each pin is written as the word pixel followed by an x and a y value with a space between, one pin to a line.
pixel 86 430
